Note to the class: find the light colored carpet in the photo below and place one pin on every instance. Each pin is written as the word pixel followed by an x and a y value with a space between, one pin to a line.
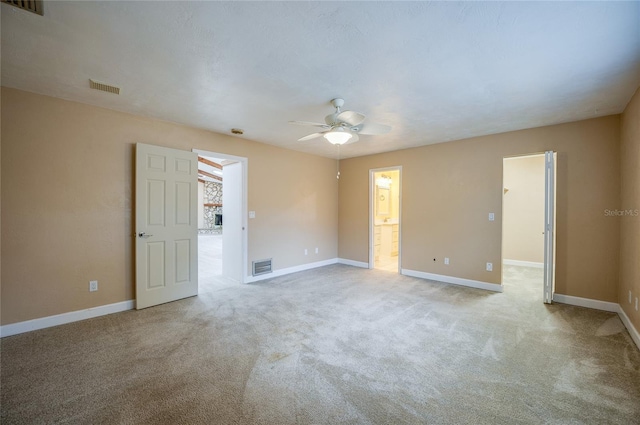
pixel 335 345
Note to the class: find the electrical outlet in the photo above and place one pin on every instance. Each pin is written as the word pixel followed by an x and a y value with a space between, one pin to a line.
pixel 489 267
pixel 316 250
pixel 93 286
pixel 446 260
pixel 306 252
pixel 492 217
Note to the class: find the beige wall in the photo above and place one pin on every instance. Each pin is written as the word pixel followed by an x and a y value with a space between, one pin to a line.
pixel 630 200
pixel 523 209
pixel 448 190
pixel 77 227
pixel 67 208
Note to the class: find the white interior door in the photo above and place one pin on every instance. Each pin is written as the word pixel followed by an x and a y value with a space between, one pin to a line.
pixel 549 225
pixel 166 225
pixel 232 224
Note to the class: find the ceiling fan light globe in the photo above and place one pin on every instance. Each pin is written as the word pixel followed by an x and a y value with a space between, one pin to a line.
pixel 337 136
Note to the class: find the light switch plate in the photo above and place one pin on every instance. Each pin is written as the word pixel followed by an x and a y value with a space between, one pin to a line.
pixel 492 217
pixel 252 214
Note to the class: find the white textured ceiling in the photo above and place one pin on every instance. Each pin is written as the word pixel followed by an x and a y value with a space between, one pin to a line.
pixel 434 71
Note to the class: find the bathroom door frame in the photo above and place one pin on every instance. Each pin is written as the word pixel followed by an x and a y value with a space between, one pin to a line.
pixel 372 197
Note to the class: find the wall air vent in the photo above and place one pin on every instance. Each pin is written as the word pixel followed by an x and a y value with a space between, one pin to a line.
pixel 34 6
pixel 97 85
pixel 262 267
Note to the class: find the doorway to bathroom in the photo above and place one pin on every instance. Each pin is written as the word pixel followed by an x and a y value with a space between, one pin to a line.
pixel 385 213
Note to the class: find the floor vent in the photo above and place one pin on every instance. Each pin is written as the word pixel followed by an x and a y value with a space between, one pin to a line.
pixel 262 267
pixel 97 85
pixel 34 6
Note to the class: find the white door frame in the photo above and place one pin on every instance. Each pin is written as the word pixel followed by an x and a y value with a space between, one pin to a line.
pixel 244 276
pixel 372 218
pixel 549 226
pixel 548 287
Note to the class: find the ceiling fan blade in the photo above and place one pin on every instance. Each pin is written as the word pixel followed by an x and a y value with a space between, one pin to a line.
pixel 310 136
pixel 315 124
pixel 374 129
pixel 350 117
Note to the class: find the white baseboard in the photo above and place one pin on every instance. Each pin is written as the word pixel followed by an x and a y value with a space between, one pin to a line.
pixel 74 316
pixel 454 280
pixel 353 263
pixel 586 302
pixel 635 336
pixel 523 263
pixel 61 319
pixel 289 270
pixel 601 305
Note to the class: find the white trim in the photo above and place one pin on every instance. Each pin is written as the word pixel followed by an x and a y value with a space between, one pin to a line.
pixel 586 302
pixel 353 263
pixel 64 318
pixel 372 261
pixel 454 280
pixel 604 306
pixel 289 270
pixel 549 284
pixel 635 336
pixel 75 316
pixel 523 263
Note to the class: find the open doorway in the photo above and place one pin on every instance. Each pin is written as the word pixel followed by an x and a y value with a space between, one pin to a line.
pixel 221 224
pixel 210 214
pixel 385 219
pixel 528 211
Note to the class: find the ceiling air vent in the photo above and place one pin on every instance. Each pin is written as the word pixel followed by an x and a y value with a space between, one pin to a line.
pixel 262 267
pixel 34 6
pixel 97 85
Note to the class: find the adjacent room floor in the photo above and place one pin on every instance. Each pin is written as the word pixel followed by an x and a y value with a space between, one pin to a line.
pixel 332 345
pixel 528 282
pixel 387 263
pixel 209 256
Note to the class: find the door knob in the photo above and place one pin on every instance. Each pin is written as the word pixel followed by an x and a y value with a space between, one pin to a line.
pixel 144 235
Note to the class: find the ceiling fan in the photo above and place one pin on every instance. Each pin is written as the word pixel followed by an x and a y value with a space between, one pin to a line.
pixel 343 127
